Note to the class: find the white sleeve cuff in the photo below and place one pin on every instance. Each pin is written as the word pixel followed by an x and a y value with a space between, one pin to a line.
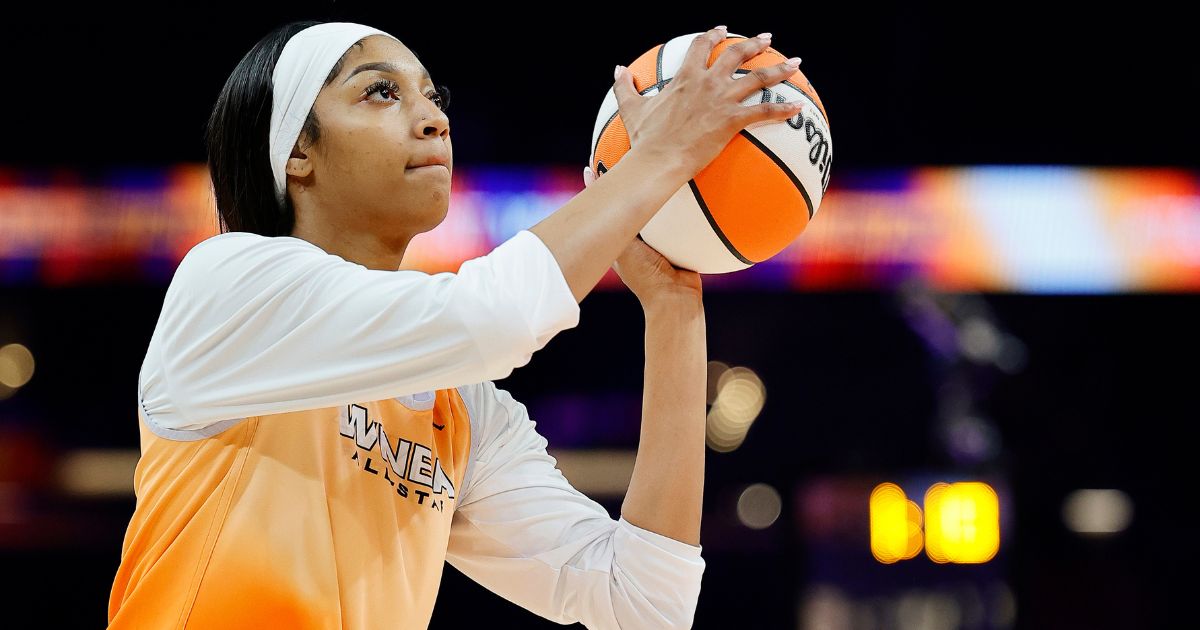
pixel 540 302
pixel 664 571
pixel 557 309
pixel 666 543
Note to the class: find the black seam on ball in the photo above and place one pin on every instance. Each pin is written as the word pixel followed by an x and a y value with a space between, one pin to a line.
pixel 783 167
pixel 713 223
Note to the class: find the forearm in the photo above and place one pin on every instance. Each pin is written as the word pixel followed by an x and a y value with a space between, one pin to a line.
pixel 666 491
pixel 588 232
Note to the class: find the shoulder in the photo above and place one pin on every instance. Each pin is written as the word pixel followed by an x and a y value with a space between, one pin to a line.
pixel 486 403
pixel 223 247
pixel 243 257
pixel 479 399
pixel 224 243
pixel 496 417
pixel 507 451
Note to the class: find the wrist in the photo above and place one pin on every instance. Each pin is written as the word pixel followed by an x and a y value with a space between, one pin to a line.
pixel 669 165
pixel 672 305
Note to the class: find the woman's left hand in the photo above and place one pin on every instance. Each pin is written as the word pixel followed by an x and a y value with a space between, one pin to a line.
pixel 648 273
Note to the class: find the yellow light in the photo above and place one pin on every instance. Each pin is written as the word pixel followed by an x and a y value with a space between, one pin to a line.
pixel 962 522
pixel 895 524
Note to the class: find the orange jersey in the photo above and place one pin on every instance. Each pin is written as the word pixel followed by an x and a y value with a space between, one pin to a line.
pixel 296 520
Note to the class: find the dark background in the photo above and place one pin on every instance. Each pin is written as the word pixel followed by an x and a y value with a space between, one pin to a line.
pixel 911 84
pixel 1106 399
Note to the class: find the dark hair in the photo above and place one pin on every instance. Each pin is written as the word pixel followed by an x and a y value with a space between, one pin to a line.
pixel 238 143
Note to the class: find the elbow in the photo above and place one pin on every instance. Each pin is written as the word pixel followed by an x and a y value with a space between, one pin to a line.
pixel 654 595
pixel 623 581
pixel 652 583
pixel 495 324
pixel 512 302
pixel 633 609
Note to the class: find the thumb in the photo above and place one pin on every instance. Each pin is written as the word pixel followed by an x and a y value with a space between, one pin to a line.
pixel 623 87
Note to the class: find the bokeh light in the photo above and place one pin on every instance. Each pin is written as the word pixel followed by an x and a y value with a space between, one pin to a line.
pixel 759 506
pixel 895 524
pixel 962 522
pixel 1097 512
pixel 16 365
pixel 739 398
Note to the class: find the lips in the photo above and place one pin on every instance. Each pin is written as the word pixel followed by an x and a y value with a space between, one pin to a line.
pixel 435 160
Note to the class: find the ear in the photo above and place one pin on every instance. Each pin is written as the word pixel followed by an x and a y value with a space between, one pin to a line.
pixel 299 164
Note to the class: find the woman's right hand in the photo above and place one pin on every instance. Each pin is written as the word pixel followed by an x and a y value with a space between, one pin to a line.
pixel 695 116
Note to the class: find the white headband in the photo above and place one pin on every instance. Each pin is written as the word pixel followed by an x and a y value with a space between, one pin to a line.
pixel 299 75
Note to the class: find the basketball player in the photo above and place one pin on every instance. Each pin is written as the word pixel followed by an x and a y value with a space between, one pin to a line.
pixel 320 431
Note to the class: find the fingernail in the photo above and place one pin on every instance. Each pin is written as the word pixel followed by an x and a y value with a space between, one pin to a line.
pixel 723 27
pixel 764 36
pixel 617 72
pixel 794 62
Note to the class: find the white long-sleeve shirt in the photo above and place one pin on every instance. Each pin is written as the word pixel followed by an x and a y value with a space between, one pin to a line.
pixel 522 531
pixel 278 369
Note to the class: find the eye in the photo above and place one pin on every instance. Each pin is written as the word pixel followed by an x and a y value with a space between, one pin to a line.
pixel 441 96
pixel 383 86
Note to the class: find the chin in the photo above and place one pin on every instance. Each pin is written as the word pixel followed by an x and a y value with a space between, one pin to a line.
pixel 430 221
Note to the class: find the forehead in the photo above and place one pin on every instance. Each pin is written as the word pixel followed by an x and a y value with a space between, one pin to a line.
pixel 381 51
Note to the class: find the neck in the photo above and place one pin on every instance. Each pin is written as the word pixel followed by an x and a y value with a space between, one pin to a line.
pixel 368 248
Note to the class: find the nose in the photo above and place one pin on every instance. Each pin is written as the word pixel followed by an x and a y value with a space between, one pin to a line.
pixel 432 122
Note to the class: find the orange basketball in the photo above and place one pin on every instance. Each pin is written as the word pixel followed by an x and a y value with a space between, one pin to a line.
pixel 757 195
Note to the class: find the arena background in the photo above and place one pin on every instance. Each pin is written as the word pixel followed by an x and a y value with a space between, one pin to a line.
pixel 1000 287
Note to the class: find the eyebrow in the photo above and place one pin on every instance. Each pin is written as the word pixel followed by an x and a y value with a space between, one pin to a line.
pixel 384 66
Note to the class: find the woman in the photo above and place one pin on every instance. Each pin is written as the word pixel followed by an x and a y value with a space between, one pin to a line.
pixel 320 430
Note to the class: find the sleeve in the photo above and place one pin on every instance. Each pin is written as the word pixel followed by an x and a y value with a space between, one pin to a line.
pixel 255 325
pixel 521 530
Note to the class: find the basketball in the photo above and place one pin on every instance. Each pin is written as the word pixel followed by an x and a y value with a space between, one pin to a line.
pixel 757 195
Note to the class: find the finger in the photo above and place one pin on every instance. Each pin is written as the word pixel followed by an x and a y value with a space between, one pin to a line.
pixel 766 76
pixel 589 176
pixel 624 88
pixel 695 60
pixel 735 55
pixel 767 111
